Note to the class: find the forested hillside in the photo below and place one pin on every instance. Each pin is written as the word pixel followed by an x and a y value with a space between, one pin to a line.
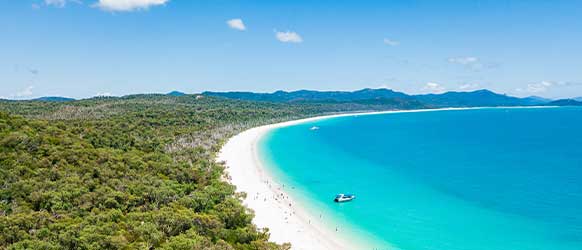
pixel 136 172
pixel 478 98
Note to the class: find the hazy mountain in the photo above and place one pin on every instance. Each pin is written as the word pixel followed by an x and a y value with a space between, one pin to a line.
pixel 176 93
pixel 537 100
pixel 448 99
pixel 565 102
pixel 375 96
pixel 53 99
pixel 311 95
pixel 470 99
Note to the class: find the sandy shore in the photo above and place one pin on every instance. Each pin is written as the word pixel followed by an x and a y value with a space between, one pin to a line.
pixel 273 208
pixel 286 220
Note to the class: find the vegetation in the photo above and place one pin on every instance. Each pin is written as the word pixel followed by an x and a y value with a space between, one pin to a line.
pixel 136 172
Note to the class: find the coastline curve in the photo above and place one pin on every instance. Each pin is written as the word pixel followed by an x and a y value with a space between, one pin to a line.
pixel 287 220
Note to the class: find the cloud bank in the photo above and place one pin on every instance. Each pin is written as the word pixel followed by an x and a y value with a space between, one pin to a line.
pixel 55 3
pixel 25 92
pixel 127 5
pixel 464 60
pixel 391 42
pixel 433 87
pixel 468 86
pixel 103 94
pixel 544 86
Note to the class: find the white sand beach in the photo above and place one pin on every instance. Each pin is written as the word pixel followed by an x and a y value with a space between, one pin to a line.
pixel 286 219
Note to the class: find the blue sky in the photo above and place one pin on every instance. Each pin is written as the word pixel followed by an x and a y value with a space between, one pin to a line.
pixel 83 48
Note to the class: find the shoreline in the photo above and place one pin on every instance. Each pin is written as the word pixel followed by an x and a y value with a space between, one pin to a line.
pixel 287 220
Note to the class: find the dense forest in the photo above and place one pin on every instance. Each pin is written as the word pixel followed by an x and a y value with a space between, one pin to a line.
pixel 136 172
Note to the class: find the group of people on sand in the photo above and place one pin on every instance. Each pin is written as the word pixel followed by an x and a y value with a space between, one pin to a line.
pixel 281 197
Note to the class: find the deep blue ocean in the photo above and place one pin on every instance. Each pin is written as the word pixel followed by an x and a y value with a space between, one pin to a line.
pixel 482 179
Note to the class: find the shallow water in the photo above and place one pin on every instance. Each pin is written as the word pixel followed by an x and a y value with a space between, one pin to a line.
pixel 504 179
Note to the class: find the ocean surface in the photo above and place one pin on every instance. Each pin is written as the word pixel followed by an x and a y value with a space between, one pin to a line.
pixel 483 179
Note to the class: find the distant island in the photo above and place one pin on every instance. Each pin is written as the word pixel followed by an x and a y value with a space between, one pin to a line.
pixel 54 99
pixel 379 97
pixel 478 98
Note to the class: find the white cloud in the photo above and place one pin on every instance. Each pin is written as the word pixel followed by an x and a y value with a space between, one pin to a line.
pixel 469 86
pixel 288 37
pixel 236 24
pixel 464 60
pixel 56 3
pixel 539 87
pixel 472 63
pixel 544 86
pixel 390 42
pixel 128 5
pixel 433 87
pixel 25 92
pixel 104 94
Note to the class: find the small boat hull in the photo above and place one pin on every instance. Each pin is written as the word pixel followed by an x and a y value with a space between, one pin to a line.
pixel 344 198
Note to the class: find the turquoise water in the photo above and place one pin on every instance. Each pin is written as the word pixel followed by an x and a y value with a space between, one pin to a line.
pixel 502 179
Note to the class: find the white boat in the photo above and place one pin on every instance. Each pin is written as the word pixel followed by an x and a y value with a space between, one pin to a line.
pixel 344 197
pixel 314 128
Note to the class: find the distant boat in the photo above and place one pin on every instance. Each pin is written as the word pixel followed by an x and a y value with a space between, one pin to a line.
pixel 314 128
pixel 344 197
